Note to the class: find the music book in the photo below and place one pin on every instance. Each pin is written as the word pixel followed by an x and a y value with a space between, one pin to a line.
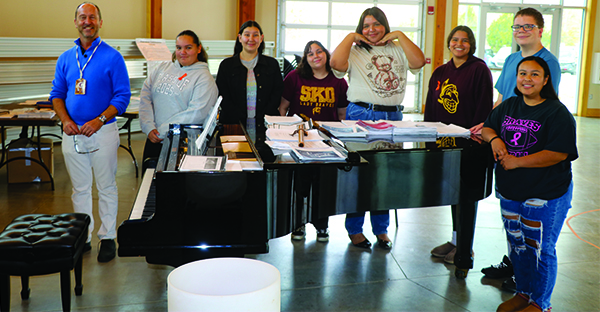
pixel 317 155
pixel 203 163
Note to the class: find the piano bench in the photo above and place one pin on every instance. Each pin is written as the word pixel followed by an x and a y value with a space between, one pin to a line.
pixel 40 244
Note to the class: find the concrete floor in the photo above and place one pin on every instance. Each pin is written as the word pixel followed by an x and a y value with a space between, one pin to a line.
pixel 336 276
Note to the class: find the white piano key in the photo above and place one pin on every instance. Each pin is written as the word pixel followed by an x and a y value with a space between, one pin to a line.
pixel 140 200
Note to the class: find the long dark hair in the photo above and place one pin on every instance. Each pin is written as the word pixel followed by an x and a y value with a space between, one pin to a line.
pixel 304 68
pixel 378 14
pixel 470 36
pixel 202 56
pixel 238 45
pixel 547 91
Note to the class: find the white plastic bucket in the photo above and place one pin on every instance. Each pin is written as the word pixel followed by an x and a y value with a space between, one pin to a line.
pixel 225 284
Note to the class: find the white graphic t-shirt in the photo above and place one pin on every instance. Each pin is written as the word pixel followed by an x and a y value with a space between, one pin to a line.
pixel 377 76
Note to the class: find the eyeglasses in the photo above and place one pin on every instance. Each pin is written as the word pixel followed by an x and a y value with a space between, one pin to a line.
pixel 526 27
pixel 81 150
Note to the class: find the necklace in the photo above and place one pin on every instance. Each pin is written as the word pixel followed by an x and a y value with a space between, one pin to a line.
pixel 81 84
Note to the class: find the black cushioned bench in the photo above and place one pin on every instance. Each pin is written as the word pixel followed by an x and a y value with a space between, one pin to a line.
pixel 39 244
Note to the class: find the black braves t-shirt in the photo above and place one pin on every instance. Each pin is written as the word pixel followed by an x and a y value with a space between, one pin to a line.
pixel 526 130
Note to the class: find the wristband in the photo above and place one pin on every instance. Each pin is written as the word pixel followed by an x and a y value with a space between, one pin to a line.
pixel 496 137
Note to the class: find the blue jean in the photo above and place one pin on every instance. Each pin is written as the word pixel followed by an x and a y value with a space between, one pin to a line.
pixel 380 220
pixel 355 112
pixel 532 229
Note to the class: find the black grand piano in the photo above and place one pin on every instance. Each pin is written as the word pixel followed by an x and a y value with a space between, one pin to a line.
pixel 181 217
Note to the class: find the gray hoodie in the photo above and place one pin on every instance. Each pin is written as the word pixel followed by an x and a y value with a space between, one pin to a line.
pixel 176 95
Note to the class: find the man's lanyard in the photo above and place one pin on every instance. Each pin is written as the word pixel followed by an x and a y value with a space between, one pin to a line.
pixel 86 63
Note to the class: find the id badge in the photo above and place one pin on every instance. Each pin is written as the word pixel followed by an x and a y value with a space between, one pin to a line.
pixel 80 86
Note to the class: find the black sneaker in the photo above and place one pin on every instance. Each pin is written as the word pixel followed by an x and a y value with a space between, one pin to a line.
pixel 298 234
pixel 503 269
pixel 323 236
pixel 87 247
pixel 510 285
pixel 108 250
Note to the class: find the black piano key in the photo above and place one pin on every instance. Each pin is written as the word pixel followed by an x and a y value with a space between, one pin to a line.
pixel 150 206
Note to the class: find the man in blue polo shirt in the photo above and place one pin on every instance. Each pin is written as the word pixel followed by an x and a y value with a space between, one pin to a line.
pixel 90 88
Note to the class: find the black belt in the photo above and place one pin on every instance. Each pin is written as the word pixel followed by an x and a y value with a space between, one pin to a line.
pixel 381 108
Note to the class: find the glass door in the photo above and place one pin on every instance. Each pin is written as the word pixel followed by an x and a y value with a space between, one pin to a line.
pixel 498 36
pixel 569 50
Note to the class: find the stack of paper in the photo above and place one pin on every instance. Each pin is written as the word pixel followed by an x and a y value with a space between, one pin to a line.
pixel 282 147
pixel 289 135
pixel 413 129
pixel 34 113
pixel 379 128
pixel 341 130
pixel 279 121
pixel 444 130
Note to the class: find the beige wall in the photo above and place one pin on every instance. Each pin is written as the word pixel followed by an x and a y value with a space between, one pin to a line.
pixel 266 16
pixel 126 19
pixel 215 19
pixel 54 19
pixel 209 19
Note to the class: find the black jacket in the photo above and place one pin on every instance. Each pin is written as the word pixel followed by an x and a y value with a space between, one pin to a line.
pixel 231 81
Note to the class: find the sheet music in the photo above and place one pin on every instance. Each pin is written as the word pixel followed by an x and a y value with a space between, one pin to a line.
pixel 209 125
pixel 287 135
pixel 154 49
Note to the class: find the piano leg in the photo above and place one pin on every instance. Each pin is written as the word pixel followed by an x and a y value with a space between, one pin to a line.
pixel 467 213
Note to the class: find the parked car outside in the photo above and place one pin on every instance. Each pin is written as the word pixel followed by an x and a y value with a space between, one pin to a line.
pixel 487 57
pixel 498 60
pixel 568 59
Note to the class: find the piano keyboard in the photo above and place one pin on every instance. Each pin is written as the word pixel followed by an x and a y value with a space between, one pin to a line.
pixel 146 194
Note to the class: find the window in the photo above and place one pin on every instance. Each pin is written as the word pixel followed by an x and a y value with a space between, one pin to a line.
pixel 331 20
pixel 562 35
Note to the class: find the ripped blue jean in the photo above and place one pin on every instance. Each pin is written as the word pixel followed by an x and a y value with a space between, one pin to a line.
pixel 532 229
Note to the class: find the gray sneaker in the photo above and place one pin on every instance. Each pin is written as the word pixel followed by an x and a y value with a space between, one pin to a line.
pixel 323 236
pixel 299 234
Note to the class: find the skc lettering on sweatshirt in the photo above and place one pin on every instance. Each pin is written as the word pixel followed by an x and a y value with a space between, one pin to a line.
pixel 169 84
pixel 317 97
pixel 519 135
